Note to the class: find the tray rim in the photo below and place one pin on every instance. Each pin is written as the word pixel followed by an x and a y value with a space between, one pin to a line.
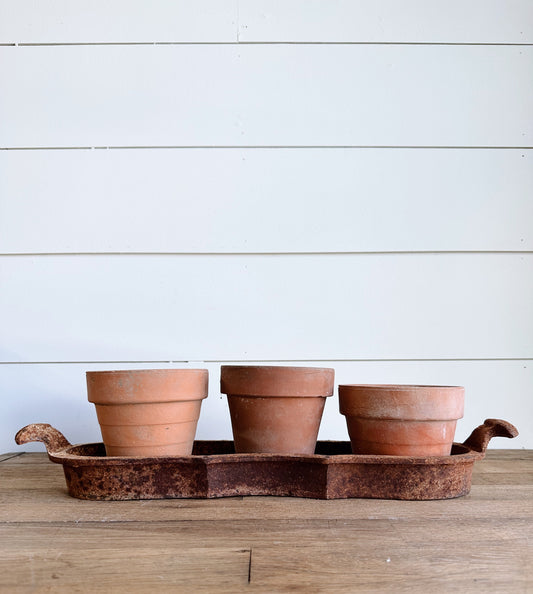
pixel 66 456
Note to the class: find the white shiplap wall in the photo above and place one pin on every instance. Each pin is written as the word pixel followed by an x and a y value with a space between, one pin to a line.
pixel 339 183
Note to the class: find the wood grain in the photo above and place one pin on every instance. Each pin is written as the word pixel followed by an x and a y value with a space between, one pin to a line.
pixel 58 557
pixel 478 543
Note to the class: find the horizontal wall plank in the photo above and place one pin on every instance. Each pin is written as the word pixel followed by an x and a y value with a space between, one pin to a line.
pixel 57 394
pixel 266 95
pixel 117 21
pixel 63 308
pixel 265 200
pixel 419 21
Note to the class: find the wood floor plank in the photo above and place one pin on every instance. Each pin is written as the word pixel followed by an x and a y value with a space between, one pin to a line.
pixel 316 555
pixel 503 466
pixel 50 502
pixel 124 570
pixel 487 501
pixel 10 456
pixel 85 536
pixel 31 476
pixel 26 458
pixel 440 568
pixel 507 454
pixel 505 479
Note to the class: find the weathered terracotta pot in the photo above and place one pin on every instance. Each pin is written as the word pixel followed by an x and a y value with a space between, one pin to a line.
pixel 401 420
pixel 148 412
pixel 276 409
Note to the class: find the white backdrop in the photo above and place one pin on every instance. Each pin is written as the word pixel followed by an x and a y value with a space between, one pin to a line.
pixel 333 183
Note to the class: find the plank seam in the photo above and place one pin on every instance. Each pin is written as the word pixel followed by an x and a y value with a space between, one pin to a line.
pixel 250 566
pixel 277 254
pixel 263 147
pixel 313 360
pixel 238 22
pixel 240 43
pixel 10 457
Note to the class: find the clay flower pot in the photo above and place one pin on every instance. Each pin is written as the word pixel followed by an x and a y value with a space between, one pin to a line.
pixel 276 409
pixel 148 412
pixel 401 420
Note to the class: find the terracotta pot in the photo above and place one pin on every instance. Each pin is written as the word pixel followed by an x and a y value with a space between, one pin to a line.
pixel 276 409
pixel 401 420
pixel 148 412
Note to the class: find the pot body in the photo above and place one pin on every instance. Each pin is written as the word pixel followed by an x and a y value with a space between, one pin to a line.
pixel 148 412
pixel 401 420
pixel 276 409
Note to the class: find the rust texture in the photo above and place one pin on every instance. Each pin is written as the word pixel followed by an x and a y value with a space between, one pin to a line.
pixel 54 440
pixel 215 470
pixel 480 437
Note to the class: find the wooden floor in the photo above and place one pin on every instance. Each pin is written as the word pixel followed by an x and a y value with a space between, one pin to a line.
pixel 51 542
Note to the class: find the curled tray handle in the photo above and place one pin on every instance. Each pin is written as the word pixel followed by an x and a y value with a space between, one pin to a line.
pixel 480 437
pixel 53 439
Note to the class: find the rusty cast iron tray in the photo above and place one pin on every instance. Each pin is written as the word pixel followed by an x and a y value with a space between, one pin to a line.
pixel 214 470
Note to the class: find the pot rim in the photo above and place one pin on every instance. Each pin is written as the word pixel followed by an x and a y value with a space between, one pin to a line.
pixel 136 386
pixel 399 387
pixel 402 402
pixel 276 381
pixel 140 371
